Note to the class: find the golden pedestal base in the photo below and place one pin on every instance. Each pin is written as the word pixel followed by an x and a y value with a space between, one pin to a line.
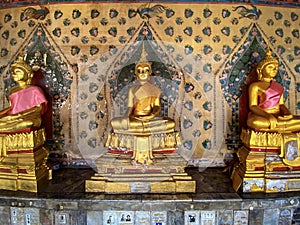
pixel 117 142
pixel 116 175
pixel 265 163
pixel 23 161
pixel 140 183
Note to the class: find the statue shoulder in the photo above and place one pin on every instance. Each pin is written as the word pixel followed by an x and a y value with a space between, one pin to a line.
pixel 18 88
pixel 14 90
pixel 154 89
pixel 256 84
pixel 134 88
pixel 259 87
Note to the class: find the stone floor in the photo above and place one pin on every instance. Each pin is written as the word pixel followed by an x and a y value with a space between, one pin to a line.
pixel 211 183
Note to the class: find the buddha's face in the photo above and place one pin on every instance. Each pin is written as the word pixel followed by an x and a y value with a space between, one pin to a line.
pixel 270 70
pixel 19 74
pixel 143 71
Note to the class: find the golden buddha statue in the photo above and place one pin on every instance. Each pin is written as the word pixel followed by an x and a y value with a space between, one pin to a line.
pixel 143 112
pixel 266 103
pixel 269 159
pixel 142 130
pixel 23 156
pixel 27 102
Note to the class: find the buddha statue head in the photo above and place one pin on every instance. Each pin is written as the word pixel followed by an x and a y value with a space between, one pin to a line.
pixel 21 71
pixel 267 67
pixel 143 68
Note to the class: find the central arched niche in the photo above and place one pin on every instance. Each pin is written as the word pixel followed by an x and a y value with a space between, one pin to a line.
pixel 185 95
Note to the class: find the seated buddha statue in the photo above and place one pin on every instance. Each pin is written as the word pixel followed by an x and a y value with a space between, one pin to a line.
pixel 143 114
pixel 269 155
pixel 23 156
pixel 26 102
pixel 267 109
pixel 142 130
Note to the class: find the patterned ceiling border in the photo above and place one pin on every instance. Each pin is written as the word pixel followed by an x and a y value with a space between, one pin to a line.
pixel 279 3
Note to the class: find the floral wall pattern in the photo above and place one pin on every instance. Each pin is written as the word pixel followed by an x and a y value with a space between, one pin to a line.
pixel 202 54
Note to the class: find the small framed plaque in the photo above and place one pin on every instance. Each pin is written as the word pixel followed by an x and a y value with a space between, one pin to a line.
pixel 208 217
pixel 192 217
pixel 158 218
pixel 110 217
pixel 142 217
pixel 126 218
pixel 139 187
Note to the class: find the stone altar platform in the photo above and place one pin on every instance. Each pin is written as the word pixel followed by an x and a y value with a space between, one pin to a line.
pixel 64 201
pixel 117 175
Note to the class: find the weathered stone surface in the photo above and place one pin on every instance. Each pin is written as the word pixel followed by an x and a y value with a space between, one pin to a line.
pixel 271 216
pixel 94 216
pixel 47 216
pixel 256 216
pixel 4 216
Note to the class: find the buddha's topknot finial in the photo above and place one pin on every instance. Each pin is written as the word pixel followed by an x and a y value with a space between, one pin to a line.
pixel 143 60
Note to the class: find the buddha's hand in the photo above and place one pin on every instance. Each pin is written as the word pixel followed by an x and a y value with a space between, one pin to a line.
pixel 273 121
pixel 12 117
pixel 144 118
pixel 286 117
pixel 18 116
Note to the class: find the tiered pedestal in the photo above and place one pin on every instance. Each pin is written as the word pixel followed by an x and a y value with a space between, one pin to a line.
pixel 117 175
pixel 265 163
pixel 23 161
pixel 141 164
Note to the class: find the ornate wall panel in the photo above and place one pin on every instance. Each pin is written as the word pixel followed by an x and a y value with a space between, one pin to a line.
pixel 201 52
